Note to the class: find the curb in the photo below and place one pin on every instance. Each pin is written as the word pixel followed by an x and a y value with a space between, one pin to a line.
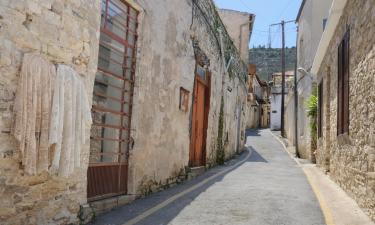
pixel 323 205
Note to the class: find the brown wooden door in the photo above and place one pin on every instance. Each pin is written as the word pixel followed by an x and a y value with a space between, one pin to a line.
pixel 199 120
pixel 199 123
pixel 112 101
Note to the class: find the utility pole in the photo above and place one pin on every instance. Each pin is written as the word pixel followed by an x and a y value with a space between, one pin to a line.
pixel 296 102
pixel 282 77
pixel 269 37
pixel 282 73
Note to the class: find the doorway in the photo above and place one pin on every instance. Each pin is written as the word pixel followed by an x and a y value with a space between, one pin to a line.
pixel 110 137
pixel 201 104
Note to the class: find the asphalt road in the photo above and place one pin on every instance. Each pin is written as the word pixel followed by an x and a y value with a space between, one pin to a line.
pixel 261 186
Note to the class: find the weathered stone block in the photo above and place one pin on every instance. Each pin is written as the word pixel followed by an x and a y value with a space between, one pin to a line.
pixel 352 155
pixel 125 199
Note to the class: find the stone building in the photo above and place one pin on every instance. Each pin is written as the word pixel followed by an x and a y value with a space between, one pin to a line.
pixel 63 32
pixel 344 68
pixel 168 92
pixel 258 98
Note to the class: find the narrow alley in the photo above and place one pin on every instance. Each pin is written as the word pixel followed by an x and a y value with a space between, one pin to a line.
pixel 187 112
pixel 261 186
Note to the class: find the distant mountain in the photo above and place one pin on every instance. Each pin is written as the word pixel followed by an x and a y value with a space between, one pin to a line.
pixel 268 60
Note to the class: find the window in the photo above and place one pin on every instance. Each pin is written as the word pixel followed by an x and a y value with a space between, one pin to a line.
pixel 343 85
pixel 114 83
pixel 320 109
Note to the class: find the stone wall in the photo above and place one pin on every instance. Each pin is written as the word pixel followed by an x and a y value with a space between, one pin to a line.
pixel 231 84
pixel 168 33
pixel 350 158
pixel 67 32
pixel 63 32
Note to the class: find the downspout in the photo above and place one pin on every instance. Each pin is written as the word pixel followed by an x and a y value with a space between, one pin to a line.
pixel 223 59
pixel 296 101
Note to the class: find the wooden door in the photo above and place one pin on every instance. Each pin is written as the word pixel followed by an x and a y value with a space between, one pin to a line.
pixel 199 123
pixel 199 118
pixel 112 102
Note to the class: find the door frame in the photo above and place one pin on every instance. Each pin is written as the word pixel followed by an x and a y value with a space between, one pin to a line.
pixel 207 94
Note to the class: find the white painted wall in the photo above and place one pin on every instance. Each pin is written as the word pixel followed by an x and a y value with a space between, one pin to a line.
pixel 310 30
pixel 275 120
pixel 275 112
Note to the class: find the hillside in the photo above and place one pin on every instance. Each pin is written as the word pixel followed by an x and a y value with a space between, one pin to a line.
pixel 268 60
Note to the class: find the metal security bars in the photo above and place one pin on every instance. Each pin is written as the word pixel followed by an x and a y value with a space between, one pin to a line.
pixel 112 101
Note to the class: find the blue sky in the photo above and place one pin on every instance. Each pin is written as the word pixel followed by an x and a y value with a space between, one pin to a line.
pixel 267 12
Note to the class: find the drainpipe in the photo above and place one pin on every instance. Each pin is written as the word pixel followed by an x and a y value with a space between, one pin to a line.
pixel 296 101
pixel 223 59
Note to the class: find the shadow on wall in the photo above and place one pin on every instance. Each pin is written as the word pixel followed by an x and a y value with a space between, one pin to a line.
pixel 167 213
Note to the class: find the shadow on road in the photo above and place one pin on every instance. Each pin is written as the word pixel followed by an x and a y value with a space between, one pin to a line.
pixel 254 132
pixel 256 157
pixel 166 214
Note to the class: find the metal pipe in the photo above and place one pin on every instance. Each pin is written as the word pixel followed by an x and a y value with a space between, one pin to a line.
pixel 223 59
pixel 296 102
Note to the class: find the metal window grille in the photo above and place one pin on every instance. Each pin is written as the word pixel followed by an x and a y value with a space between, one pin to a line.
pixel 112 101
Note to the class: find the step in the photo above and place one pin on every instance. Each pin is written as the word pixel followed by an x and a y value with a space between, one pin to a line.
pixel 195 171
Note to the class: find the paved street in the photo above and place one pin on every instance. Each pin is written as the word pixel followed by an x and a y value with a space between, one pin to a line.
pixel 261 186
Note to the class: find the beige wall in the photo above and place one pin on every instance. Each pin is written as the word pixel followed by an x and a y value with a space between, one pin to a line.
pixel 166 62
pixel 310 30
pixel 238 26
pixel 64 32
pixel 350 158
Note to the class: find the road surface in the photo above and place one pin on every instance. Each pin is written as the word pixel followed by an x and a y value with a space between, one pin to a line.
pixel 261 186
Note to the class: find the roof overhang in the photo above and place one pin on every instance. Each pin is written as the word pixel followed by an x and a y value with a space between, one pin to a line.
pixel 335 14
pixel 251 24
pixel 300 10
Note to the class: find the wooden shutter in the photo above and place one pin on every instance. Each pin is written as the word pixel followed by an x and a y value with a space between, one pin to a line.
pixel 346 84
pixel 343 85
pixel 339 89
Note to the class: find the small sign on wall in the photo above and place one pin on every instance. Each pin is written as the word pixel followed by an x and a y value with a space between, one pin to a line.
pixel 184 99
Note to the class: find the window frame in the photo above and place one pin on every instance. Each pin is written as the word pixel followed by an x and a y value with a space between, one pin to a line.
pixel 343 73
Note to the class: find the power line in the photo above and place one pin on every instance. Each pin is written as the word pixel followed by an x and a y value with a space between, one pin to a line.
pixel 243 3
pixel 274 38
pixel 283 11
